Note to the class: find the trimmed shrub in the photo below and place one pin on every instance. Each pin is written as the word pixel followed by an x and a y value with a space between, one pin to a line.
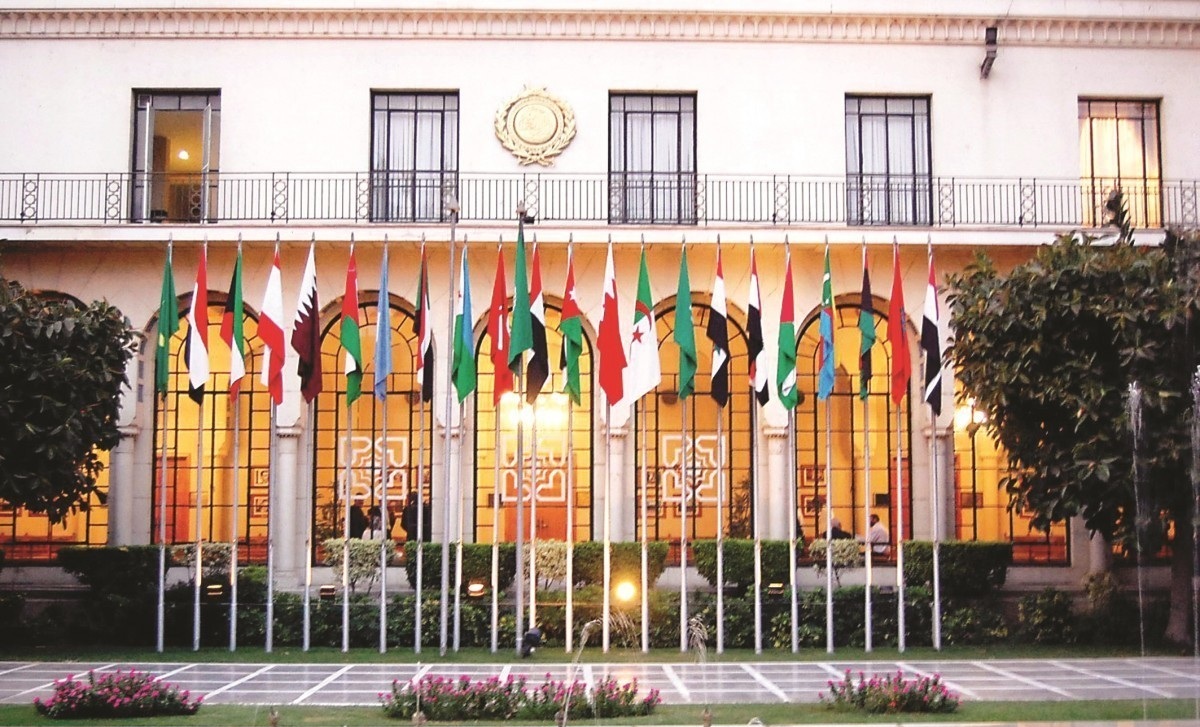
pixel 128 570
pixel 973 625
pixel 1046 618
pixel 739 562
pixel 970 569
pixel 477 563
pixel 626 561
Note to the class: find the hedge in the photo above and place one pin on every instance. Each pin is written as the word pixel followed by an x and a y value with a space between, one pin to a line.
pixel 477 563
pixel 739 562
pixel 969 569
pixel 626 561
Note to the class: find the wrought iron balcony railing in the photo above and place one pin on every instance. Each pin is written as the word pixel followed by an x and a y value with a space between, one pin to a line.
pixel 626 198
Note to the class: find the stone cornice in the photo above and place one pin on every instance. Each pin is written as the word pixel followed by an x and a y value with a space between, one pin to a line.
pixel 757 27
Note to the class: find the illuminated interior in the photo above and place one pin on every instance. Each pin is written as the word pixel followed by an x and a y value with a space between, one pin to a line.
pixel 213 449
pixel 1118 149
pixel 683 458
pixel 852 427
pixel 496 434
pixel 29 537
pixel 981 509
pixel 364 426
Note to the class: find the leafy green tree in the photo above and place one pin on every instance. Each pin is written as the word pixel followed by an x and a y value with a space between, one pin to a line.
pixel 1048 350
pixel 62 367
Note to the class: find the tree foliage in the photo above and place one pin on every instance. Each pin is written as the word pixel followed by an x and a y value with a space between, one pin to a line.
pixel 1048 351
pixel 62 367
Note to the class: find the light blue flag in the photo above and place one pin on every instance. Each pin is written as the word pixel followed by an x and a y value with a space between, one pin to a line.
pixel 825 352
pixel 383 333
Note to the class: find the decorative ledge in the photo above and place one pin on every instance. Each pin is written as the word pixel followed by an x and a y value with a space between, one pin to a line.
pixel 607 25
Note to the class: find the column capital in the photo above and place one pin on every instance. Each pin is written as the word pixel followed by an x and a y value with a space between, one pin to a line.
pixel 775 432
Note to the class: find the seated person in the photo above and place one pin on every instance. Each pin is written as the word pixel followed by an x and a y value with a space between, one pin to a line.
pixel 877 536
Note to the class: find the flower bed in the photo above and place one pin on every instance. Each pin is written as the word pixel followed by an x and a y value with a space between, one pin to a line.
pixel 891 693
pixel 117 694
pixel 442 699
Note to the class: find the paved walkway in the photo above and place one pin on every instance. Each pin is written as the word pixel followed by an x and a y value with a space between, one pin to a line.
pixel 679 683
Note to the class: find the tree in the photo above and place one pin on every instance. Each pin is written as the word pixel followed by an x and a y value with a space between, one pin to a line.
pixel 1049 350
pixel 62 367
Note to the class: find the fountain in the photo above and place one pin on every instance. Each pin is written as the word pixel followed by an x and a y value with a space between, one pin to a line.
pixel 698 642
pixel 560 719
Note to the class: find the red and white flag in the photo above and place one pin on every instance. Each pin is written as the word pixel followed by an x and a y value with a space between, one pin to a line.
pixel 270 330
pixel 196 350
pixel 609 344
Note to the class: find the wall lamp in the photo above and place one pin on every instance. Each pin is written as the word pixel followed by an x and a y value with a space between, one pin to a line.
pixel 989 44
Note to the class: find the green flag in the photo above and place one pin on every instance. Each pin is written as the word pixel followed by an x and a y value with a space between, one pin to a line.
pixel 571 326
pixel 685 334
pixel 463 374
pixel 351 341
pixel 785 368
pixel 866 327
pixel 520 339
pixel 168 324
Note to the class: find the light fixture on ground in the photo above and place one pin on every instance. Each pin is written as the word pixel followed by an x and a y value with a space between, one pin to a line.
pixel 625 591
pixel 476 589
pixel 328 592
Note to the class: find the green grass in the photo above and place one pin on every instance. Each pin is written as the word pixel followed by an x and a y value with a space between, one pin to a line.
pixel 214 715
pixel 556 655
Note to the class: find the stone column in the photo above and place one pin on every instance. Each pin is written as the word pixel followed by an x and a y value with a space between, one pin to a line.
pixel 621 507
pixel 288 531
pixel 774 497
pixel 121 485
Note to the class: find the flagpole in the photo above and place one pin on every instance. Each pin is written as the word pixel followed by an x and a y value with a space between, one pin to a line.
pixel 272 471
pixel 383 318
pixel 496 491
pixel 199 524
pixel 868 546
pixel 346 494
pixel 447 500
pixel 520 464
pixel 788 309
pixel 458 547
pixel 162 480
pixel 683 524
pixel 827 363
pixel 308 532
pixel 935 502
pixel 897 294
pixel 645 517
pixel 569 581
pixel 900 627
pixel 720 532
pixel 420 521
pixel 606 606
pixel 346 530
pixel 233 527
pixel 199 509
pixel 793 586
pixel 756 485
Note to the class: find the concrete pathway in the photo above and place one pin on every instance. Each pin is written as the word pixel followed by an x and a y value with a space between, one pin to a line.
pixel 679 683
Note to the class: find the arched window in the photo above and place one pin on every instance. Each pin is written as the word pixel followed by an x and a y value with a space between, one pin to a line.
pixel 364 423
pixel 852 428
pixel 496 437
pixel 201 451
pixel 683 457
pixel 981 510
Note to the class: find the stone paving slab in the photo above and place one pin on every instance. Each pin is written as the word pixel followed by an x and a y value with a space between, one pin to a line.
pixel 678 683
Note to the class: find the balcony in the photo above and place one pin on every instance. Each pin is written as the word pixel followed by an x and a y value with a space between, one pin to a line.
pixel 602 199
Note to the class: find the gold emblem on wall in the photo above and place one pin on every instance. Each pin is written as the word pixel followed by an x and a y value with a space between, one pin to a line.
pixel 535 126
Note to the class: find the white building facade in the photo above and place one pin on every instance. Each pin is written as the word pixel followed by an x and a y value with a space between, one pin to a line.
pixel 346 126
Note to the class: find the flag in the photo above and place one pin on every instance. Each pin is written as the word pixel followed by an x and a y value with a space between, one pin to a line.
pixel 825 348
pixel 231 328
pixel 866 328
pixel 785 364
pixel 270 331
pixel 570 324
pixel 645 370
pixel 383 330
pixel 351 341
pixel 608 340
pixel 306 331
pixel 498 331
pixel 717 331
pixel 196 349
pixel 168 324
pixel 685 334
pixel 758 353
pixel 538 368
pixel 424 334
pixel 462 372
pixel 520 337
pixel 931 344
pixel 897 338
